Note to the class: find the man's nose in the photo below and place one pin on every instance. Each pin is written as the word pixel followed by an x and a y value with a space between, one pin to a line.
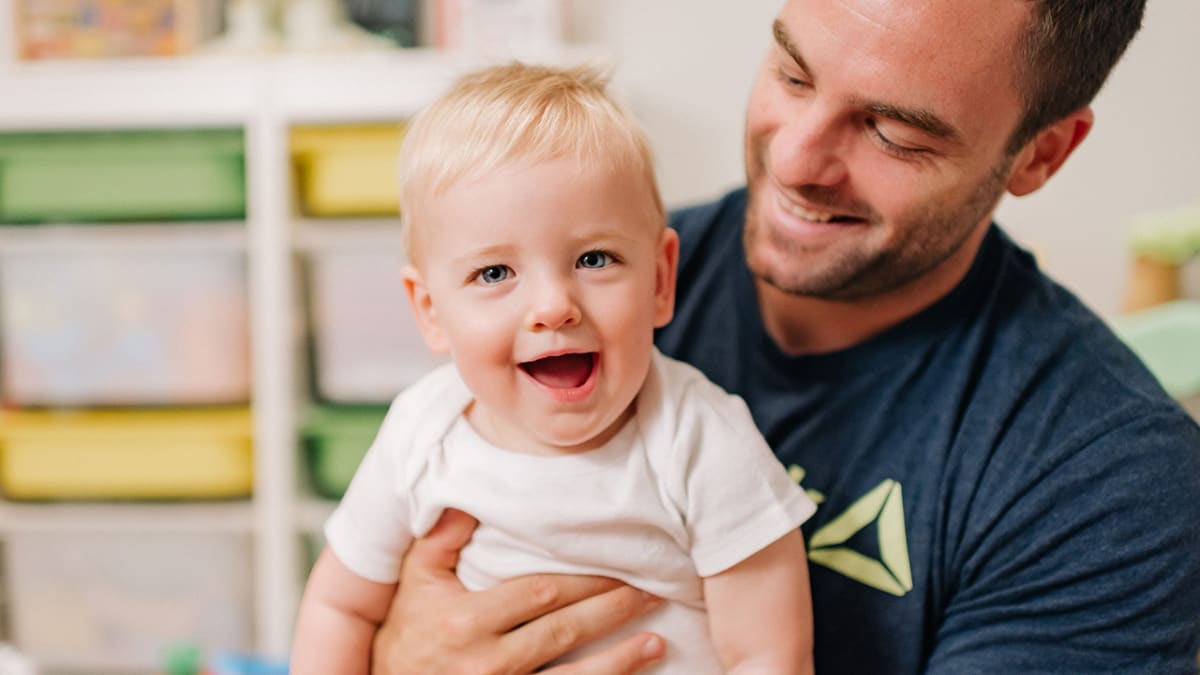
pixel 553 308
pixel 809 149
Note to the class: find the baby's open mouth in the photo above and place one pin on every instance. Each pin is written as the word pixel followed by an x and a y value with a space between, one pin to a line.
pixel 565 371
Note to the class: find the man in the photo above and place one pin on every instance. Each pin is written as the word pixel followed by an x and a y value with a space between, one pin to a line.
pixel 1004 488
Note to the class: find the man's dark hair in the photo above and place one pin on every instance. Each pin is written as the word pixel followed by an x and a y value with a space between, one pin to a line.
pixel 1066 53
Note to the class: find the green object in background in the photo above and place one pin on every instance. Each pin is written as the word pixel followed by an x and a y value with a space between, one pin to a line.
pixel 335 440
pixel 1167 339
pixel 122 176
pixel 1170 237
pixel 184 659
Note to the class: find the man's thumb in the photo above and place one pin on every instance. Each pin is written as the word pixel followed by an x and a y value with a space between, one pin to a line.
pixel 438 550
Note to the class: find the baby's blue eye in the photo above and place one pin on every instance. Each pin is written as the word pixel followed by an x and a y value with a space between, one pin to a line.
pixel 494 274
pixel 593 260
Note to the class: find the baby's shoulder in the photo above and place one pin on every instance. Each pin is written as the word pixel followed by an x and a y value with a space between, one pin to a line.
pixel 425 409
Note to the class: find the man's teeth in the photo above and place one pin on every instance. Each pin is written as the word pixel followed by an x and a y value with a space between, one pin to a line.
pixel 815 216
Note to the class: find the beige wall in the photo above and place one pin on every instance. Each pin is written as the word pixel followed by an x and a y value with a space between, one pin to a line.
pixel 686 66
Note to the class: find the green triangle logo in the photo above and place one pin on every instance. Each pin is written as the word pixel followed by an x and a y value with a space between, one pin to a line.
pixel 884 506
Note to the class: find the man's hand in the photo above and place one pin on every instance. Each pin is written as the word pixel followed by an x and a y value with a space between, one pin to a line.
pixel 436 626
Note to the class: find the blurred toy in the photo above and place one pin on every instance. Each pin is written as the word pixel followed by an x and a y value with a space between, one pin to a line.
pixel 497 29
pixel 1167 339
pixel 294 25
pixel 55 29
pixel 1161 244
pixel 188 659
pixel 248 664
pixel 185 659
pixel 396 20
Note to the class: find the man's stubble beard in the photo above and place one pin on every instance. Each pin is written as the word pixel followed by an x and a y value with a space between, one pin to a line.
pixel 933 236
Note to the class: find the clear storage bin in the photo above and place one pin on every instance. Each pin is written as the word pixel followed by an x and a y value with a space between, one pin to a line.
pixel 367 347
pixel 152 316
pixel 116 602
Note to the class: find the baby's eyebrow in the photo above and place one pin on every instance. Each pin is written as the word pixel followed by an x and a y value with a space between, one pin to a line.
pixel 492 251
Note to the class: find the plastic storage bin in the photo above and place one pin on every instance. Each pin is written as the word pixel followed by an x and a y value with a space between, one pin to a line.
pixel 348 170
pixel 156 317
pixel 116 602
pixel 367 347
pixel 97 454
pixel 335 440
pixel 125 175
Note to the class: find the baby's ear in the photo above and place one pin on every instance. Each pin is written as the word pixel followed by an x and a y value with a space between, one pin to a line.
pixel 666 263
pixel 423 310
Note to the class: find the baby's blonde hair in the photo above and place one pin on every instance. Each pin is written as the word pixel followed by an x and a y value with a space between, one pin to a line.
pixel 513 112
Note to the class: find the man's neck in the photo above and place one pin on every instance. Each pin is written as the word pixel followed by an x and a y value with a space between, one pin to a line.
pixel 807 325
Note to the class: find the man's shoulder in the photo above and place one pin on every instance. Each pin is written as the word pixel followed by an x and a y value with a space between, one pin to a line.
pixel 1043 330
pixel 1055 380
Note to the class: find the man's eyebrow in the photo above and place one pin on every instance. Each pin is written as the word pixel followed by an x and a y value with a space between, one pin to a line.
pixel 782 39
pixel 918 118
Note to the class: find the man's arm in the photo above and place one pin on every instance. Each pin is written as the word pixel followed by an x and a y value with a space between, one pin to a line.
pixel 760 611
pixel 1094 565
pixel 436 626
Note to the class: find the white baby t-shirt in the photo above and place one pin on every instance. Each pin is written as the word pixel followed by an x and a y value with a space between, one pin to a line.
pixel 687 489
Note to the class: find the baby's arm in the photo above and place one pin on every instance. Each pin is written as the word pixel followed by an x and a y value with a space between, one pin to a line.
pixel 760 611
pixel 339 615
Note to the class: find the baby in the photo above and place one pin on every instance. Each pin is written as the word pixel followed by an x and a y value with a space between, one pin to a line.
pixel 541 263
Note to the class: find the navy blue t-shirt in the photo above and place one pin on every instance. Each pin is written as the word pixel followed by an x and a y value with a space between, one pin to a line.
pixel 1002 487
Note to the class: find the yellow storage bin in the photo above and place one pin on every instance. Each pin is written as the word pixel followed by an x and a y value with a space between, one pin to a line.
pixel 126 454
pixel 348 170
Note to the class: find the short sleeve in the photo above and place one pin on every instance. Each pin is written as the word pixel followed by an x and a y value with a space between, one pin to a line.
pixel 1096 568
pixel 738 498
pixel 370 530
pixel 372 527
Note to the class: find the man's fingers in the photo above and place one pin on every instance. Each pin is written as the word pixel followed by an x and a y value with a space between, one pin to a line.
pixel 524 599
pixel 626 658
pixel 437 552
pixel 548 637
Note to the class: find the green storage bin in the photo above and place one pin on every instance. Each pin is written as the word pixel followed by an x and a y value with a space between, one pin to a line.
pixel 122 176
pixel 335 440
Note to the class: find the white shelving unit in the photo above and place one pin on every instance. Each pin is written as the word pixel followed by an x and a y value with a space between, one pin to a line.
pixel 264 96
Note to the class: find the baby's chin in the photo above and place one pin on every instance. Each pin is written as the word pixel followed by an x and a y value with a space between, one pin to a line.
pixel 575 436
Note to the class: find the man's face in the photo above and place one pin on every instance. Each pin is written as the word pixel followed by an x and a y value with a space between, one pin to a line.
pixel 875 139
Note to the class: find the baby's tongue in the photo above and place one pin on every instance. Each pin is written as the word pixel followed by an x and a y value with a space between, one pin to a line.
pixel 561 372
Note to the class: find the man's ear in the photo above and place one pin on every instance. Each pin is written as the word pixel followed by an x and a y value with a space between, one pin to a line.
pixel 1045 153
pixel 423 310
pixel 666 265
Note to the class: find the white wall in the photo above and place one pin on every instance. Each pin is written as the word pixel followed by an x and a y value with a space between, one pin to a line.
pixel 1143 155
pixel 687 65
